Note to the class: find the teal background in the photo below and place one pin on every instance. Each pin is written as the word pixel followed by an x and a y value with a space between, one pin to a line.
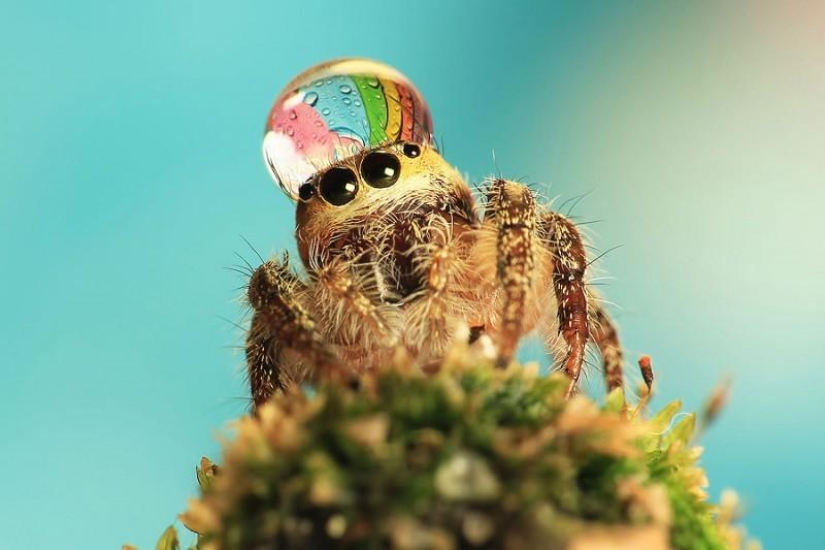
pixel 131 167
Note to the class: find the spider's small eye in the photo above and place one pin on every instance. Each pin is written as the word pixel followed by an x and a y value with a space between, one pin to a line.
pixel 306 191
pixel 380 169
pixel 412 150
pixel 338 185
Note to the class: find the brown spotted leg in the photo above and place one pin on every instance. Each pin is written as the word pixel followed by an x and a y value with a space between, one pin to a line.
pixel 512 208
pixel 569 263
pixel 605 336
pixel 280 324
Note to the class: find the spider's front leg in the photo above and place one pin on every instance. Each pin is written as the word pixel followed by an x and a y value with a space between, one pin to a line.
pixel 282 332
pixel 512 209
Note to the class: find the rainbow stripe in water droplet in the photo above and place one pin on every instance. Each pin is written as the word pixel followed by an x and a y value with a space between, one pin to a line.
pixel 337 110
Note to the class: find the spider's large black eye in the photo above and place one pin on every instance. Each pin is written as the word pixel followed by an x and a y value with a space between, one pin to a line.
pixel 338 185
pixel 380 169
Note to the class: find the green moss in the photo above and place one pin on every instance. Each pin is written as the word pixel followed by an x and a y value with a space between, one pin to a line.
pixel 472 457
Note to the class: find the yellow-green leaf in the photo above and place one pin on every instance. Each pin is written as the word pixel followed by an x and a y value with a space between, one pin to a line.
pixel 168 540
pixel 660 422
pixel 205 472
pixel 682 431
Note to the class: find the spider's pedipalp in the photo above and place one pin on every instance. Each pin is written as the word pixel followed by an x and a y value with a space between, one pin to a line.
pixel 343 302
pixel 442 311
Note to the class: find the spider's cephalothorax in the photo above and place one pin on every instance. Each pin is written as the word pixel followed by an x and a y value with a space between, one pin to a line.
pixel 396 252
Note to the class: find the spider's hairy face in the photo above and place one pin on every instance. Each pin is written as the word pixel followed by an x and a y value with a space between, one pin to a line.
pixel 380 211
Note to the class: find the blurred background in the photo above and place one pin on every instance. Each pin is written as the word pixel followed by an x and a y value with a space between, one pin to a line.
pixel 131 168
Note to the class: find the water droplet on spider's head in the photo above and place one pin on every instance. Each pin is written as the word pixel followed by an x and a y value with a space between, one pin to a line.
pixel 308 129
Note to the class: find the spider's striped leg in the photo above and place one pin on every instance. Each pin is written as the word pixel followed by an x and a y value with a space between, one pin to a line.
pixel 606 337
pixel 282 334
pixel 512 208
pixel 569 263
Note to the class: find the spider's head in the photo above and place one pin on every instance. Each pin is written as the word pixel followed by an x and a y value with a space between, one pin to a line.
pixel 351 142
pixel 391 198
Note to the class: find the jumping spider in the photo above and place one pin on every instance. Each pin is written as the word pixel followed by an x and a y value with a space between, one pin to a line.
pixel 395 249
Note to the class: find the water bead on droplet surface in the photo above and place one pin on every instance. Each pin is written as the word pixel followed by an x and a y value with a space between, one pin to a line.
pixel 311 98
pixel 325 111
pixel 372 82
pixel 290 131
pixel 293 115
pixel 357 102
pixel 347 101
pixel 345 89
